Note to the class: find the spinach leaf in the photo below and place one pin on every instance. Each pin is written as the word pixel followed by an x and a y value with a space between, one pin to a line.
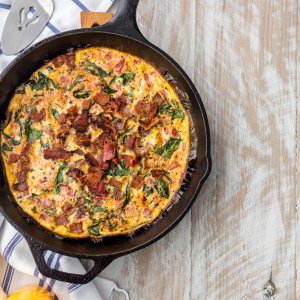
pixel 127 78
pixel 21 89
pixel 43 82
pixel 168 178
pixel 59 177
pixel 113 80
pixel 89 200
pixel 148 190
pixel 127 196
pixel 77 80
pixel 120 170
pixel 5 147
pixel 14 141
pixel 55 113
pixel 99 208
pixel 162 188
pixel 81 93
pixel 95 70
pixel 167 150
pixel 94 229
pixel 31 133
pixel 44 145
pixel 176 113
pixel 109 90
pixel 165 109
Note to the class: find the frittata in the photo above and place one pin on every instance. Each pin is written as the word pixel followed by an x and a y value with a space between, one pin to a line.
pixel 95 144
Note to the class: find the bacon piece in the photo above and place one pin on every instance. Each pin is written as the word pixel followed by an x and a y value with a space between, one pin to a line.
pixel 76 228
pixel 157 173
pixel 62 119
pixel 103 165
pixel 143 108
pixel 76 174
pixel 58 145
pixel 101 98
pixel 147 213
pixel 86 104
pixel 64 79
pixel 129 160
pixel 117 194
pixel 91 160
pixel 81 212
pixel 57 154
pixel 83 140
pixel 174 165
pixel 129 144
pixel 45 217
pixel 120 65
pixel 68 209
pixel 61 220
pixel 63 131
pixel 109 150
pixel 21 186
pixel 137 182
pixel 101 139
pixel 143 132
pixel 81 122
pixel 13 158
pixel 175 133
pixel 149 123
pixel 147 79
pixel 80 201
pixel 58 61
pixel 70 59
pixel 38 116
pixel 94 178
pixel 115 104
pixel 72 113
pixel 101 188
pixel 157 98
pixel 26 149
pixel 22 175
pixel 119 125
pixel 114 182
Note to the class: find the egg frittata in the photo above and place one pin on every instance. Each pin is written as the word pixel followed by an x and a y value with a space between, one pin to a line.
pixel 95 144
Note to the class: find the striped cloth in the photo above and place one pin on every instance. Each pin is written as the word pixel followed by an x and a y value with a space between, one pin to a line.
pixel 17 267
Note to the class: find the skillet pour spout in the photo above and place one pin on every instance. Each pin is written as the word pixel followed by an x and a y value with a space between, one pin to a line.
pixel 120 33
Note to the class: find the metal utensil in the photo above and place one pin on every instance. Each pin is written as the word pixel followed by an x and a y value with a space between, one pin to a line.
pixel 25 21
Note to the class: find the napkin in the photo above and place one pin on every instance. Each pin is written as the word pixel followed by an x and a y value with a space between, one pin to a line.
pixel 17 266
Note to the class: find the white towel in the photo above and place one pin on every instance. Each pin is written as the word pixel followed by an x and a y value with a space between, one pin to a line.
pixel 20 269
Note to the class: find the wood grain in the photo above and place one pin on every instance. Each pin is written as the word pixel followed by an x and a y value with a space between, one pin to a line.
pixel 242 56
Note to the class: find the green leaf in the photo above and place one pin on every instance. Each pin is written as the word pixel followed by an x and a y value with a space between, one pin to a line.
pixel 81 93
pixel 168 178
pixel 165 109
pixel 127 78
pixel 95 70
pixel 167 150
pixel 31 133
pixel 55 113
pixel 59 177
pixel 94 229
pixel 21 89
pixel 5 147
pixel 162 188
pixel 109 90
pixel 77 80
pixel 148 190
pixel 120 170
pixel 99 208
pixel 176 113
pixel 44 145
pixel 44 82
pixel 127 196
pixel 89 201
pixel 113 80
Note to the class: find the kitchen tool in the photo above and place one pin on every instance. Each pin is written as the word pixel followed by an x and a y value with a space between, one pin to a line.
pixel 25 21
pixel 120 33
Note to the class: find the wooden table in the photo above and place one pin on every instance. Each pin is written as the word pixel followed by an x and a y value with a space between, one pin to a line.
pixel 242 56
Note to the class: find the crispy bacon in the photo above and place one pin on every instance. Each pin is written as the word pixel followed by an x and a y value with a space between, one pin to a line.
pixel 13 158
pixel 68 209
pixel 114 182
pixel 159 99
pixel 63 131
pixel 81 212
pixel 94 178
pixel 117 194
pixel 101 98
pixel 62 119
pixel 157 173
pixel 91 160
pixel 109 150
pixel 101 139
pixel 149 123
pixel 61 220
pixel 86 104
pixel 83 140
pixel 143 108
pixel 57 154
pixel 120 65
pixel 129 160
pixel 137 182
pixel 147 79
pixel 21 186
pixel 76 174
pixel 103 165
pixel 81 122
pixel 174 165
pixel 72 113
pixel 143 132
pixel 58 61
pixel 70 59
pixel 22 175
pixel 38 116
pixel 76 228
pixel 129 144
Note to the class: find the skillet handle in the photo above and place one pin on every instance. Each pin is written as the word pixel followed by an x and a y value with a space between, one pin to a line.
pixel 124 21
pixel 38 250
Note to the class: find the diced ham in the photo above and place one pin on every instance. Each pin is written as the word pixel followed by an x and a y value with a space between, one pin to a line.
pixel 83 140
pixel 137 182
pixel 157 173
pixel 13 158
pixel 120 65
pixel 76 228
pixel 101 98
pixel 114 182
pixel 21 186
pixel 109 150
pixel 68 209
pixel 129 160
pixel 81 123
pixel 91 160
pixel 129 144
pixel 103 165
pixel 38 116
pixel 62 119
pixel 175 133
pixel 70 59
pixel 57 154
pixel 61 220
pixel 114 104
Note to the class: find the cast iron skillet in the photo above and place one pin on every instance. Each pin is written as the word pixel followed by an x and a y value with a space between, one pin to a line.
pixel 123 34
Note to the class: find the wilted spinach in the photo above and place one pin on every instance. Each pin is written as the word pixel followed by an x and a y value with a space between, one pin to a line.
pixel 167 150
pixel 59 177
pixel 162 188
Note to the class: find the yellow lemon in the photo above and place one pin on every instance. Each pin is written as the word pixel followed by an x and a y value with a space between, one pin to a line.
pixel 31 293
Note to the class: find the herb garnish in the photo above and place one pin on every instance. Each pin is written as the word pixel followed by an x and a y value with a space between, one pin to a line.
pixel 42 82
pixel 148 190
pixel 5 147
pixel 99 208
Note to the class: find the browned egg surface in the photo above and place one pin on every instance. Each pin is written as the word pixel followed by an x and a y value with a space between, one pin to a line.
pixel 95 144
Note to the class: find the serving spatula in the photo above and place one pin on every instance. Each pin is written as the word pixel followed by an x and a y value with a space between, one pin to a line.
pixel 25 21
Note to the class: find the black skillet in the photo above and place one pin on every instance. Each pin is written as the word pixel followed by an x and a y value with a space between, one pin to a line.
pixel 120 33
